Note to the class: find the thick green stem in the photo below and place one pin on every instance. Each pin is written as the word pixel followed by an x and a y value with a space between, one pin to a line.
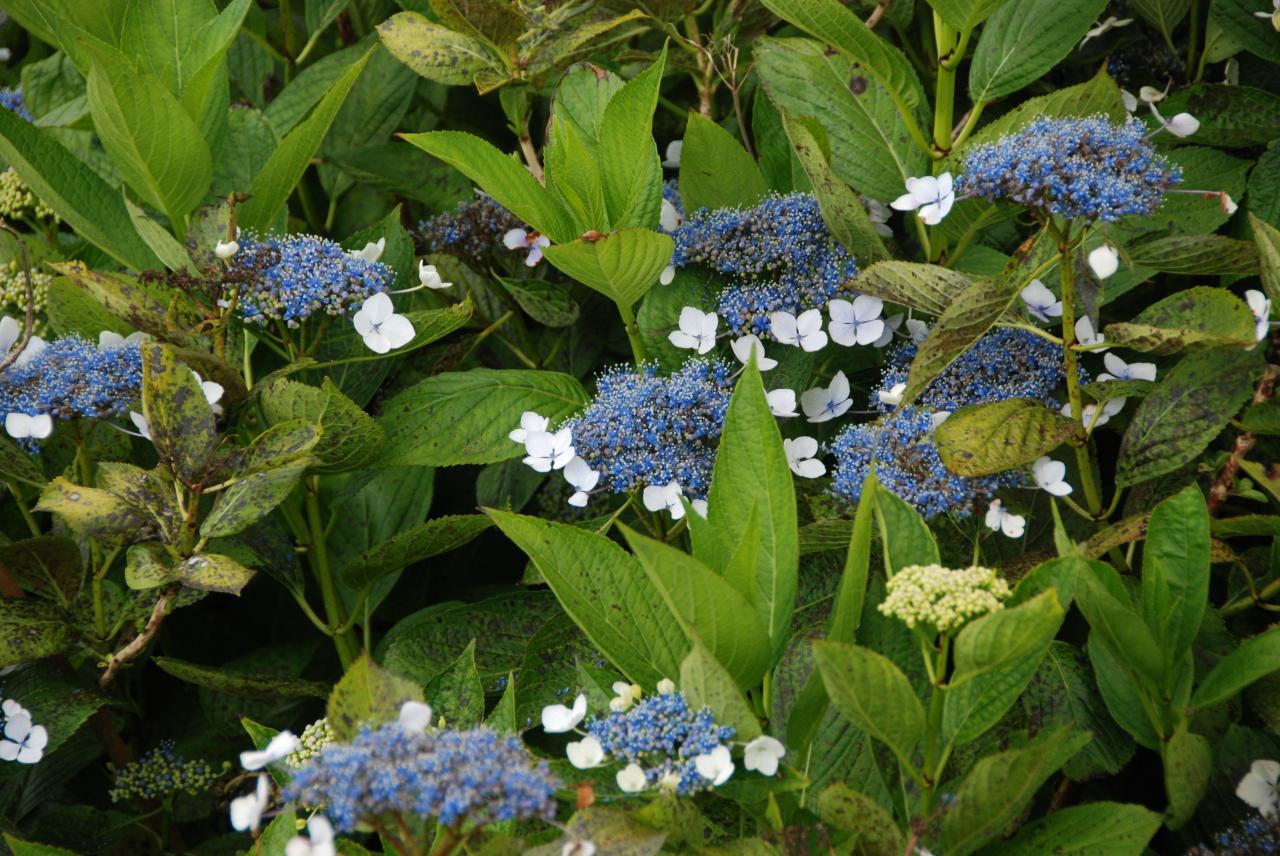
pixel 1066 269
pixel 319 555
pixel 945 91
pixel 1193 34
pixel 633 331
pixel 934 752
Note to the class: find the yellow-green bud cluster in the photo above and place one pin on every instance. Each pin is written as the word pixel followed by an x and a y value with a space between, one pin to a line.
pixel 17 201
pixel 163 773
pixel 314 737
pixel 942 598
pixel 13 289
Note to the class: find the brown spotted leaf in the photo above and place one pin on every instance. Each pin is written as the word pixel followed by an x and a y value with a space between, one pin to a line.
pixel 1200 317
pixel 29 630
pixel 213 572
pixel 91 512
pixel 180 418
pixel 367 695
pixel 982 439
pixel 965 320
pixel 149 566
pixel 250 500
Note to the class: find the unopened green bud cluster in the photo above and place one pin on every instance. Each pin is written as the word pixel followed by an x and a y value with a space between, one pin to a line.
pixel 943 598
pixel 162 773
pixel 314 737
pixel 18 202
pixel 13 289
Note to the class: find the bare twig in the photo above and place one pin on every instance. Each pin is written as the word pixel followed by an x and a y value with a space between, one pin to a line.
pixel 877 13
pixel 140 642
pixel 30 321
pixel 1221 488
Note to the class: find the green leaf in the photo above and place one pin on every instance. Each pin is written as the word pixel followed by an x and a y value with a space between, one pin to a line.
pixel 606 592
pixel 30 630
pixel 1254 659
pixel 1238 22
pixel 126 299
pixel 18 465
pixel 1190 406
pixel 547 303
pixel 999 787
pixel 873 694
pixel 1164 15
pixel 82 198
pixel 842 210
pixel 503 178
pixel 1188 764
pixel 1122 693
pixel 630 168
pixel 870 146
pixel 1199 317
pixel 1195 255
pixel 213 572
pixel 367 695
pixel 905 538
pixel 249 500
pixel 60 700
pixel 706 683
pixel 1191 213
pixel 182 424
pixel 284 169
pixel 875 833
pixel 45 565
pixel 1267 238
pixel 1175 572
pixel 1263 189
pixel 708 608
pixel 91 512
pixel 497 21
pixel 1024 40
pixel 622 266
pixel 1103 600
pixel 572 176
pixel 149 565
pixel 32 848
pixel 438 535
pixel 981 439
pixel 477 405
pixel 751 469
pixel 1230 116
pixel 611 830
pixel 964 15
pixel 999 638
pixel 436 52
pixel 156 146
pixel 456 695
pixel 969 316
pixel 349 437
pixel 715 170
pixel 162 243
pixel 1095 829
pixel 236 683
pixel 975 706
pixel 928 288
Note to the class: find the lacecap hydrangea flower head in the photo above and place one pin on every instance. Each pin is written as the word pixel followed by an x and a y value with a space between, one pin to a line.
pixel 943 599
pixel 163 773
pixel 471 231
pixel 1078 168
pixel 778 255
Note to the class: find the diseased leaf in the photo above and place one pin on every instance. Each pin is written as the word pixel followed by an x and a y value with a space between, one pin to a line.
pixel 367 695
pixel 237 683
pixel 981 439
pixel 436 52
pixel 213 572
pixel 1200 317
pixel 973 312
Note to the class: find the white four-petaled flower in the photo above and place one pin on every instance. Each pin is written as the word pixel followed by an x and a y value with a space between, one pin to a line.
pixel 763 755
pixel 557 719
pixel 517 239
pixel 371 251
pixel 1260 787
pixel 530 422
pixel 801 458
pixel 715 766
pixel 547 451
pixel 110 340
pixel 893 395
pixel 379 325
pixel 415 716
pixel 1260 306
pixel 247 810
pixel 1104 261
pixel 1041 302
pixel 743 346
pixel 665 497
pixel 582 479
pixel 430 277
pixel 1085 335
pixel 631 779
pixel 782 402
pixel 856 323
pixel 697 330
pixel 1050 475
pixel 803 331
pixel 585 754
pixel 281 746
pixel 933 196
pixel 1003 520
pixel 626 695
pixel 1118 369
pixel 825 404
pixel 24 426
pixel 319 840
pixel 23 741
pixel 674 150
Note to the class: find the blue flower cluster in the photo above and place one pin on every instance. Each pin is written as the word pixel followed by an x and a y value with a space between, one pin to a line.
pixel 1255 836
pixel 472 230
pixel 12 99
pixel 72 377
pixel 1005 363
pixel 303 275
pixel 663 735
pixel 1089 169
pixel 162 773
pixel 477 777
pixel 779 256
pixel 642 429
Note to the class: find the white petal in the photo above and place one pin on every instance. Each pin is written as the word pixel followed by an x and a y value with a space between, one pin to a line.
pixel 668 275
pixel 869 332
pixel 763 754
pixel 377 308
pixel 784 328
pixel 839 387
pixel 683 340
pixel 283 744
pixel 415 716
pixel 782 402
pixel 809 469
pixel 1104 261
pixel 1182 125
pixel 557 719
pixel 585 753
pixel 1013 525
pixel 398 330
pixel 905 202
pixel 631 779
pixel 515 239
pixel 10 332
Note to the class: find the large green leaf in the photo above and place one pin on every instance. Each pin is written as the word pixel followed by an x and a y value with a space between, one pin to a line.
pixel 873 694
pixel 870 147
pixel 928 288
pixel 630 169
pixel 606 592
pixel 1198 317
pixel 30 630
pixel 1254 659
pixel 1230 116
pixel 707 683
pixel 182 423
pixel 874 831
pixel 999 638
pixel 974 311
pixel 349 437
pixel 1267 238
pixel 250 500
pixel 1164 15
pixel 477 405
pixel 752 480
pixel 709 609
pixel 367 695
pixel 435 52
pixel 964 15
pixel 237 683
pixel 622 265
pixel 715 170
pixel 284 169
pixel 1103 600
pixel 905 538
pixel 1189 407
pixel 981 439
pixel 152 141
pixel 1242 26
pixel 1095 829
pixel 1195 255
pixel 1023 40
pixel 1175 572
pixel 436 536
pixel 1188 764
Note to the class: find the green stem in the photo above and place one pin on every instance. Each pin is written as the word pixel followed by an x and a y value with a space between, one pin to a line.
pixel 1084 458
pixel 30 518
pixel 1193 34
pixel 934 752
pixel 945 90
pixel 633 331
pixel 319 556
pixel 975 113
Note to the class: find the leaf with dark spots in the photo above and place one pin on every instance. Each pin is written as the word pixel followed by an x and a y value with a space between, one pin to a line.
pixel 150 492
pixel 149 566
pixel 180 418
pixel 982 439
pixel 47 565
pixel 1199 317
pixel 29 630
pixel 129 301
pixel 92 512
pixel 249 500
pixel 223 680
pixel 349 437
pixel 214 572
pixel 367 695
pixel 457 696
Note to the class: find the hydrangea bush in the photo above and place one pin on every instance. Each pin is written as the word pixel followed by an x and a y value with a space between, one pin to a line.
pixel 749 427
